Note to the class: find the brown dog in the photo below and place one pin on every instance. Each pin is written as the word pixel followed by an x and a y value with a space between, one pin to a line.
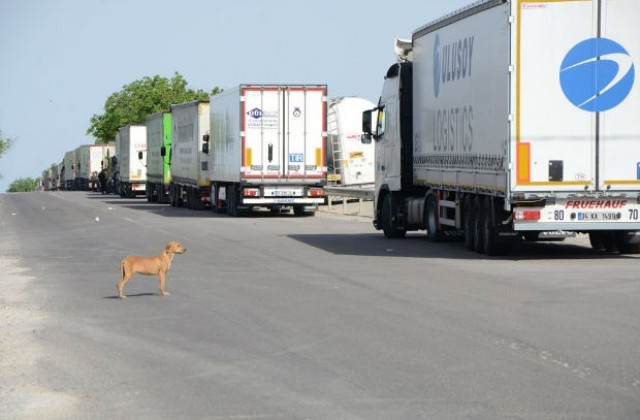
pixel 158 265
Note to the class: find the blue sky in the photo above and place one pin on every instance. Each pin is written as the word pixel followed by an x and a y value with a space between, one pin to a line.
pixel 61 59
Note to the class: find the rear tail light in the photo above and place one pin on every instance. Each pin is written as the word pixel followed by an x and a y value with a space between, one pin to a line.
pixel 526 215
pixel 250 192
pixel 315 192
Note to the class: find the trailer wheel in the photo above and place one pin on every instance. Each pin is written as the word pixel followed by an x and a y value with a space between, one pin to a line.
pixel 489 243
pixel 609 242
pixel 478 211
pixel 232 204
pixel 628 242
pixel 596 240
pixel 469 224
pixel 299 211
pixel 390 225
pixel 196 200
pixel 432 222
pixel 173 196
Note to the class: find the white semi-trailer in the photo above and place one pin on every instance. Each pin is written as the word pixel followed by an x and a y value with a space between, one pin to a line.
pixel 267 148
pixel 131 149
pixel 190 181
pixel 350 162
pixel 91 160
pixel 68 171
pixel 508 119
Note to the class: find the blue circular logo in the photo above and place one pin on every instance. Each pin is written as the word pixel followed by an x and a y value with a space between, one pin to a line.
pixel 436 66
pixel 597 74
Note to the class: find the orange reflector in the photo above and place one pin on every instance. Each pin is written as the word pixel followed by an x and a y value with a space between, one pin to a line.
pixel 248 156
pixel 316 192
pixel 526 214
pixel 523 162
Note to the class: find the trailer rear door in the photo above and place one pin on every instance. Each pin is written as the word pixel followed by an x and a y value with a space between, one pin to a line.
pixel 284 132
pixel 576 103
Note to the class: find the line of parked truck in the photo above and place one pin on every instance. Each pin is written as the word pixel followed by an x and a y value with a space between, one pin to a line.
pixel 493 127
pixel 273 146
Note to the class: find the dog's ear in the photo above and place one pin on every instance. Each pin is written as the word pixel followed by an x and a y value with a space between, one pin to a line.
pixel 168 247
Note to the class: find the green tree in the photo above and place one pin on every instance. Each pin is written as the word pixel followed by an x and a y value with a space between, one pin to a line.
pixel 139 99
pixel 5 144
pixel 24 185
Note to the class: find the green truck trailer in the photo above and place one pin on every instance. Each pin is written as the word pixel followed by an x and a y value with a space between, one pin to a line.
pixel 158 157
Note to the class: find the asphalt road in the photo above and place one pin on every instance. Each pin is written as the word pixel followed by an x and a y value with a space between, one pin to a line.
pixel 279 317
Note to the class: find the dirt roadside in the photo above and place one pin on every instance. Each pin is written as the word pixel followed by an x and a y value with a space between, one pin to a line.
pixel 22 396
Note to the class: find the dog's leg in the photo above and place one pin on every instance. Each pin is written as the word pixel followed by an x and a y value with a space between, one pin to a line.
pixel 123 280
pixel 162 275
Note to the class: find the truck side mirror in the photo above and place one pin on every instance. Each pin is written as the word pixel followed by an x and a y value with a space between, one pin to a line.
pixel 366 121
pixel 140 155
pixel 205 148
pixel 163 151
pixel 205 138
pixel 366 139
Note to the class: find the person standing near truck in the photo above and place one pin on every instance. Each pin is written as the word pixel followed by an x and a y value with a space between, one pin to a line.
pixel 102 178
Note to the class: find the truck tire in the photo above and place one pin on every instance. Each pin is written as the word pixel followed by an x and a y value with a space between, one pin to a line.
pixel 432 220
pixel 173 198
pixel 596 240
pixel 478 212
pixel 232 203
pixel 468 223
pixel 627 242
pixel 489 243
pixel 389 219
pixel 195 199
pixel 610 242
pixel 299 211
pixel 189 198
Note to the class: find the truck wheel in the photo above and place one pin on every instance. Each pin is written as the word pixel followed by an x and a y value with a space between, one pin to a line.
pixel 189 198
pixel 299 211
pixel 390 219
pixel 172 196
pixel 232 205
pixel 478 211
pixel 432 222
pixel 196 202
pixel 489 243
pixel 469 231
pixel 596 239
pixel 609 241
pixel 628 242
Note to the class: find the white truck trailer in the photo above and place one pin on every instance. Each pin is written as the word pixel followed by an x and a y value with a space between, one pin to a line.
pixel 350 162
pixel 189 184
pixel 91 160
pixel 514 118
pixel 131 149
pixel 158 157
pixel 68 171
pixel 267 148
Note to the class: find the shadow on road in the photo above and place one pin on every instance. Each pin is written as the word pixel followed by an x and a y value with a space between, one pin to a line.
pixel 134 295
pixel 166 210
pixel 417 246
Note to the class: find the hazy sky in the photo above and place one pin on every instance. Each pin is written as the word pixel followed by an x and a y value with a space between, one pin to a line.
pixel 61 59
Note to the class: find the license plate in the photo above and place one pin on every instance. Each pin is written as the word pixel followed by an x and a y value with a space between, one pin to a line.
pixel 609 215
pixel 283 192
